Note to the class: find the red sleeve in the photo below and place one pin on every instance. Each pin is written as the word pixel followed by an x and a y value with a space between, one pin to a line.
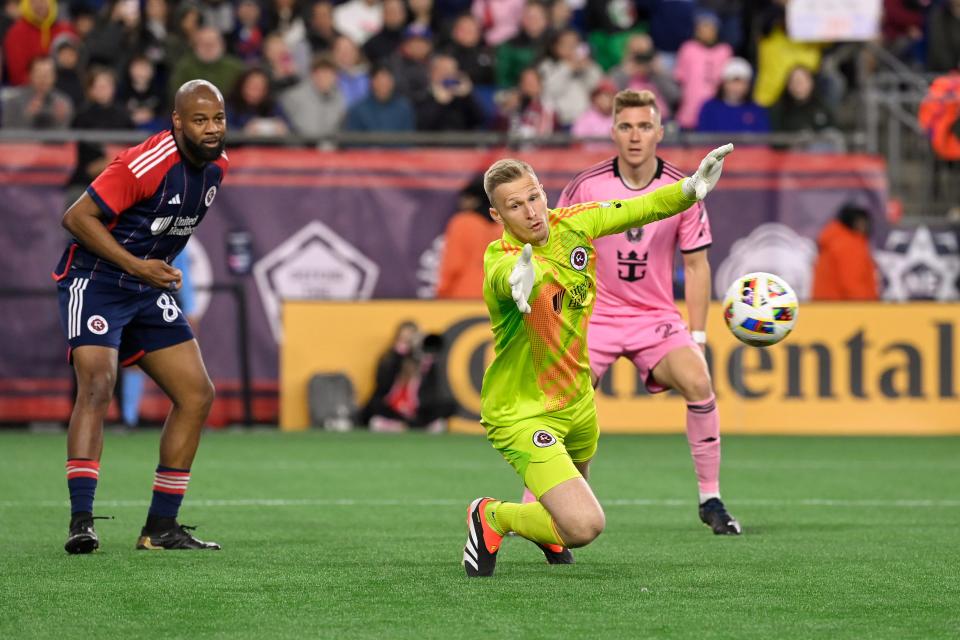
pixel 224 163
pixel 116 189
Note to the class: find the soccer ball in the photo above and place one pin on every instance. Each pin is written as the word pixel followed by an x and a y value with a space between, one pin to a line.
pixel 760 309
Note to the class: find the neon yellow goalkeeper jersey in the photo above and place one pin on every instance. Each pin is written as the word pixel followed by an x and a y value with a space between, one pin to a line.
pixel 540 363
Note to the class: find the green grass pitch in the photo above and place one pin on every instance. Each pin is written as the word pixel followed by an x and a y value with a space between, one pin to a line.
pixel 361 536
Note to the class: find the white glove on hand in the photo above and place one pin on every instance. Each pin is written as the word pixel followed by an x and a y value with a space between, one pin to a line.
pixel 705 179
pixel 521 279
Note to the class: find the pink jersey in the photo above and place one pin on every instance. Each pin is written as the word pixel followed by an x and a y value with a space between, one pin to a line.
pixel 635 268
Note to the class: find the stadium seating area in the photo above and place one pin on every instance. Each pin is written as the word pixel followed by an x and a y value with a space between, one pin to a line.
pixel 313 69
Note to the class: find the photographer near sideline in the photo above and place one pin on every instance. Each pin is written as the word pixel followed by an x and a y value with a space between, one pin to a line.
pixel 410 391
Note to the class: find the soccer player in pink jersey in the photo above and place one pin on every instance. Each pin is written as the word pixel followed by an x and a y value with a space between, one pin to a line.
pixel 635 316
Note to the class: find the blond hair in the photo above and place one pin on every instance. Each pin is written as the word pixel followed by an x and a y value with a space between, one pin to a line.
pixel 631 98
pixel 504 171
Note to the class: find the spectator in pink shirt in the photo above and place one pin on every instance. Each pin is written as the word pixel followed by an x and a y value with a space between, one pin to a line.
pixel 499 19
pixel 597 121
pixel 700 63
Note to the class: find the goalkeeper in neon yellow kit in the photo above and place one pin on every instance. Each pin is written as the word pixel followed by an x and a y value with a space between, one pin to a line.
pixel 537 398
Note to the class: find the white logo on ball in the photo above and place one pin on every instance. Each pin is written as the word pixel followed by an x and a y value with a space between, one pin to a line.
pixel 579 258
pixel 211 194
pixel 97 325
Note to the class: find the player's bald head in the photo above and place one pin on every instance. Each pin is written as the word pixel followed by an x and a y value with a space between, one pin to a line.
pixel 191 94
pixel 199 121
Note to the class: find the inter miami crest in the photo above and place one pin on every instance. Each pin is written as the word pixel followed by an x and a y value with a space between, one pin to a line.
pixel 634 235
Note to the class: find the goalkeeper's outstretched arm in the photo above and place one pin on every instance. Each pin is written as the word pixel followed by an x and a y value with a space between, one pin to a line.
pixel 665 201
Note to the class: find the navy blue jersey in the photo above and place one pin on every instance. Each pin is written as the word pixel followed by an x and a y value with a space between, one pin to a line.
pixel 153 199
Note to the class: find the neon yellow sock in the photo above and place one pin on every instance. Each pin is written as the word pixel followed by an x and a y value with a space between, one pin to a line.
pixel 530 520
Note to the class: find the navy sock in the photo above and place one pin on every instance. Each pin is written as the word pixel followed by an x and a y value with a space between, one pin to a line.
pixel 82 475
pixel 169 487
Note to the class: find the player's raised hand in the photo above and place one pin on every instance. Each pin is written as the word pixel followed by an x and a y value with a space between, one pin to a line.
pixel 159 274
pixel 521 279
pixel 705 179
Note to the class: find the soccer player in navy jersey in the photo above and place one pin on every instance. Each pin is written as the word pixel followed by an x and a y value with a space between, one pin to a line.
pixel 115 283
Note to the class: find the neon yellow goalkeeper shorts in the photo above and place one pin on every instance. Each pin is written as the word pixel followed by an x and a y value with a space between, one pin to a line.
pixel 543 449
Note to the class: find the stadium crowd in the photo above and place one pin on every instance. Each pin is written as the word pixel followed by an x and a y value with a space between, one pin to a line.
pixel 529 67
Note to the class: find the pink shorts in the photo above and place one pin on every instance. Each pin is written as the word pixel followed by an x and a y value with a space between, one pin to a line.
pixel 644 339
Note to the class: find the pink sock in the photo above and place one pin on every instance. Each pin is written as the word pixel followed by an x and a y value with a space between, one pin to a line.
pixel 703 434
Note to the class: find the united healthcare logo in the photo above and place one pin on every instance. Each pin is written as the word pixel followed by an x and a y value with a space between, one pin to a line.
pixel 159 225
pixel 313 264
pixel 174 225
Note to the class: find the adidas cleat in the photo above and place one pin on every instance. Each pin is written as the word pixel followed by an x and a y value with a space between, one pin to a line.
pixel 82 537
pixel 714 515
pixel 480 552
pixel 176 537
pixel 555 554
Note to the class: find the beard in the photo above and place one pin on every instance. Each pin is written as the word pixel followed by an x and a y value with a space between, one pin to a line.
pixel 203 152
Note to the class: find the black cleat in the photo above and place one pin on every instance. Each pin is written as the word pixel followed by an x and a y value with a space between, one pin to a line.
pixel 82 537
pixel 480 552
pixel 176 537
pixel 714 515
pixel 555 554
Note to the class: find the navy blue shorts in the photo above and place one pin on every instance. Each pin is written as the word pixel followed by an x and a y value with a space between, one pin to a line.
pixel 134 323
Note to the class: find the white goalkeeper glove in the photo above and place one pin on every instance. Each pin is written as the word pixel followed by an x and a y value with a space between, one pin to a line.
pixel 705 179
pixel 521 279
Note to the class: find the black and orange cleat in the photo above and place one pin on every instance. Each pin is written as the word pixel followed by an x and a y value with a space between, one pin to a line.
pixel 555 554
pixel 480 552
pixel 175 537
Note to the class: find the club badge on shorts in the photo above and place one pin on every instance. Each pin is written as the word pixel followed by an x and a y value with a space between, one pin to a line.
pixel 543 438
pixel 578 258
pixel 97 325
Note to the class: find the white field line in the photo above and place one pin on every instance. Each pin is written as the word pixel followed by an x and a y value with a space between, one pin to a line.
pixel 614 502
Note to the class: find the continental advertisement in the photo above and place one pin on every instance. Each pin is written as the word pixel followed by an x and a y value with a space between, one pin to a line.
pixel 847 369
